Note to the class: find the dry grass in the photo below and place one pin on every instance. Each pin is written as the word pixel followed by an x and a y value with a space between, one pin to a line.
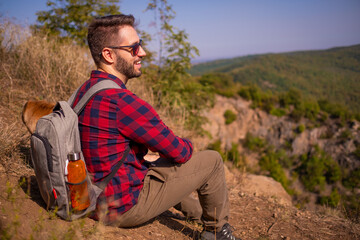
pixel 32 67
pixel 40 67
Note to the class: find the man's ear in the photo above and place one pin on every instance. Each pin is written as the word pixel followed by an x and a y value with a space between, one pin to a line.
pixel 108 55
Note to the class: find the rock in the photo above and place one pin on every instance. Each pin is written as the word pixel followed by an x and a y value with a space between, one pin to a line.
pixel 230 178
pixel 265 186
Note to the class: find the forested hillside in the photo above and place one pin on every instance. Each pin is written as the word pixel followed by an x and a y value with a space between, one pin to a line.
pixel 332 74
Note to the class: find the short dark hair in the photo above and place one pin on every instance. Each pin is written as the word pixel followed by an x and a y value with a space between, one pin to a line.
pixel 102 30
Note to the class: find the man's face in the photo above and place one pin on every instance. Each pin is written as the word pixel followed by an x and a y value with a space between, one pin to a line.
pixel 127 65
pixel 127 68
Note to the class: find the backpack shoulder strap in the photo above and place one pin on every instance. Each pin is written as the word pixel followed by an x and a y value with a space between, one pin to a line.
pixel 98 87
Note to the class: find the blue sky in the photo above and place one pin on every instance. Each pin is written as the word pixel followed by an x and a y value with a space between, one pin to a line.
pixel 230 28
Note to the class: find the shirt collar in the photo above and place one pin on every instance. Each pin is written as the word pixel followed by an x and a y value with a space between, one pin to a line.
pixel 98 75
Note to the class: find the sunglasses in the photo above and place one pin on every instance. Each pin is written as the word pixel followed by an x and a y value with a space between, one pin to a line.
pixel 134 48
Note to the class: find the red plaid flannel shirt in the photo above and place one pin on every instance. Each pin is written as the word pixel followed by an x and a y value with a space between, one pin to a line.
pixel 113 120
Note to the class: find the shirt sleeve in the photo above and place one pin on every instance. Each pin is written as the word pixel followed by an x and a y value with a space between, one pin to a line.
pixel 140 122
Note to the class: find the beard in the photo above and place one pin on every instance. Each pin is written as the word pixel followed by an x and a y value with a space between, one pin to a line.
pixel 126 68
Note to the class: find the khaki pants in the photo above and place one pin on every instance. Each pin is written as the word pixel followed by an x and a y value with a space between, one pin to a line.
pixel 168 184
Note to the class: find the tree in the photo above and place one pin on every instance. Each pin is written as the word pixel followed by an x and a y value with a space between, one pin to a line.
pixel 174 48
pixel 171 81
pixel 70 18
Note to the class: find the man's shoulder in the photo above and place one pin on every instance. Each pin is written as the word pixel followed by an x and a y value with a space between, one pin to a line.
pixel 121 97
pixel 117 93
pixel 118 96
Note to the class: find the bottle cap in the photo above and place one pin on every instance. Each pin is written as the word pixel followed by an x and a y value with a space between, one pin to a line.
pixel 73 156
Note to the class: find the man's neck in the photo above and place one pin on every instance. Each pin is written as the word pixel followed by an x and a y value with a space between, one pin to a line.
pixel 111 71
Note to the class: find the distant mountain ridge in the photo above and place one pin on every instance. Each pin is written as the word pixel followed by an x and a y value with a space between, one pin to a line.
pixel 332 74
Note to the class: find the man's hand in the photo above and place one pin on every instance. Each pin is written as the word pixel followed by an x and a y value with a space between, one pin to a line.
pixel 151 157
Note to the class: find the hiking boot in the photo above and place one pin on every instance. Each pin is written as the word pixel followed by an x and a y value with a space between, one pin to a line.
pixel 223 234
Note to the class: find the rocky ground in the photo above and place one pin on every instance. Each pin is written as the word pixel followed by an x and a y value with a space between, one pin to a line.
pixel 260 209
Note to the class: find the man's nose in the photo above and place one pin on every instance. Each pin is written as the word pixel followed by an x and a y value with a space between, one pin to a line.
pixel 142 52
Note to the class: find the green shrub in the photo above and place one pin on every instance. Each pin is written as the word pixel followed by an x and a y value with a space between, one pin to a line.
pixel 254 143
pixel 229 93
pixel 357 116
pixel 333 200
pixel 323 116
pixel 300 128
pixel 279 112
pixel 180 94
pixel 352 180
pixel 307 109
pixel 264 100
pixel 312 175
pixel 333 170
pixel 234 156
pixel 270 162
pixel 195 98
pixel 318 168
pixel 292 97
pixel 215 146
pixel 268 101
pixel 296 114
pixel 249 92
pixel 230 117
pixel 253 93
pixel 311 109
pixel 220 83
pixel 335 110
pixel 284 159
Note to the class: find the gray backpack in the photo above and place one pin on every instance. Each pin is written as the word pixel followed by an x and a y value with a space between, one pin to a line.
pixel 56 135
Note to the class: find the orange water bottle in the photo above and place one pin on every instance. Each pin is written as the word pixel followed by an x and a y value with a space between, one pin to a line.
pixel 76 175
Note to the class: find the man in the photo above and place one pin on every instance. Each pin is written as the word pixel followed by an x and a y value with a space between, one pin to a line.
pixel 116 119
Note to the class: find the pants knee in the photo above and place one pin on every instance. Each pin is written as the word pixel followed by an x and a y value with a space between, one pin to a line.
pixel 215 158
